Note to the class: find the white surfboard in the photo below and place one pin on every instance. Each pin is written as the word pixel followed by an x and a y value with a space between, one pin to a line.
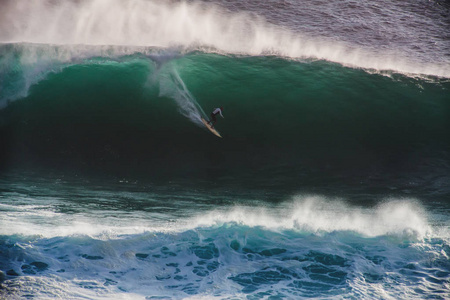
pixel 211 128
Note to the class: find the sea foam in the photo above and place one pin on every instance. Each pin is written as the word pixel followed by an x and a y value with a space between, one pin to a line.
pixel 186 25
pixel 321 215
pixel 313 214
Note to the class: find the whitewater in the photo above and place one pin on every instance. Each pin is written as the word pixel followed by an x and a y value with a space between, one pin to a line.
pixel 331 180
pixel 145 248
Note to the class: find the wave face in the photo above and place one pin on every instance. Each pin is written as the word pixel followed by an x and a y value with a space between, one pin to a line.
pixel 137 114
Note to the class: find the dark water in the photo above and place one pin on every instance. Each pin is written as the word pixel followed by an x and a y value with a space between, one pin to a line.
pixel 285 120
pixel 331 179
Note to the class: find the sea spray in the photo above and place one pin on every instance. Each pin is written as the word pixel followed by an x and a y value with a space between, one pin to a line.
pixel 171 85
pixel 405 218
pixel 192 26
pixel 108 191
pixel 309 247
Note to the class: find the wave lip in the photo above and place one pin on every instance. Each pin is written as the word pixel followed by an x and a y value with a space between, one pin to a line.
pixel 404 218
pixel 192 26
pixel 313 214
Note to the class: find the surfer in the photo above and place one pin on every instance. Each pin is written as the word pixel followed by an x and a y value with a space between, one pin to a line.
pixel 214 113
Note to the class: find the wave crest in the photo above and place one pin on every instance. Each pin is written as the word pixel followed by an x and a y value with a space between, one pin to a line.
pixel 189 25
pixel 405 218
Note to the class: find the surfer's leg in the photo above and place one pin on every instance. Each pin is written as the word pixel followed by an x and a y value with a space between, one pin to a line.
pixel 213 120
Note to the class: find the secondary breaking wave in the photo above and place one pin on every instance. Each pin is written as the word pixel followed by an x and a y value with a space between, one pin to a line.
pixel 235 256
pixel 397 218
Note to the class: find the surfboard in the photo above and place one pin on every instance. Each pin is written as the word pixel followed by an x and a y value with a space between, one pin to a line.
pixel 210 128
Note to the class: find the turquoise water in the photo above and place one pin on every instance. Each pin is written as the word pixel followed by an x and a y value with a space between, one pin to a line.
pixel 74 238
pixel 331 179
pixel 130 115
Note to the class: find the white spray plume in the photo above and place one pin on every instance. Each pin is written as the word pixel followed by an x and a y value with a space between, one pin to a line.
pixel 190 25
pixel 317 214
pixel 311 214
pixel 171 85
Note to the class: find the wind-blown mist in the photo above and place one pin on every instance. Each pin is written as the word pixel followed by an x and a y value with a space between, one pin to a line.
pixel 331 179
pixel 172 86
pixel 319 215
pixel 189 25
pixel 403 218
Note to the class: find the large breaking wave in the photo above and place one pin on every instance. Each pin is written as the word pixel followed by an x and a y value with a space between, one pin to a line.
pixel 121 112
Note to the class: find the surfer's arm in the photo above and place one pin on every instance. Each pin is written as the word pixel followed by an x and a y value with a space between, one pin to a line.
pixel 220 111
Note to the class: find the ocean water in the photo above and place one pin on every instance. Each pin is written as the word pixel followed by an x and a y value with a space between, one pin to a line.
pixel 332 179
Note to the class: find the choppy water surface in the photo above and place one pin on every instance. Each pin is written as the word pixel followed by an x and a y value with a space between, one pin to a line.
pixel 331 180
